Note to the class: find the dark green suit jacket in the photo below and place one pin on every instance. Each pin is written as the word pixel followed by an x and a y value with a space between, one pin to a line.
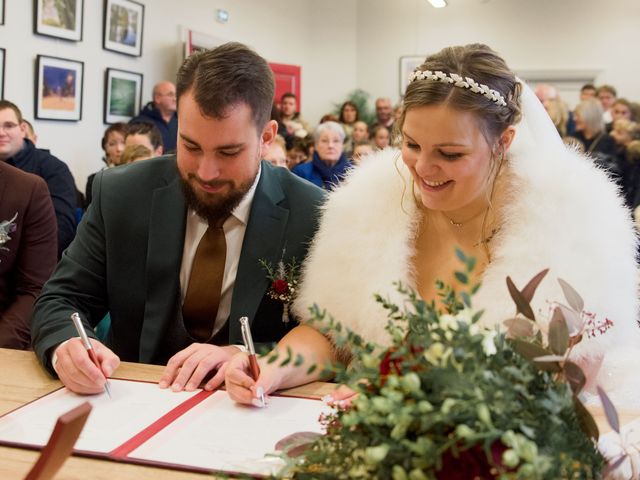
pixel 127 254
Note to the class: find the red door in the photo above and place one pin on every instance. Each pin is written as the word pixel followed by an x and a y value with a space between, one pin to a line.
pixel 287 80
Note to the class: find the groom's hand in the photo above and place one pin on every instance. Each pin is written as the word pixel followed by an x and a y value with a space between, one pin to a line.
pixel 188 368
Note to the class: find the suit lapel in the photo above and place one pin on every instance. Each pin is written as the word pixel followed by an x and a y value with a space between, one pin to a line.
pixel 263 239
pixel 164 256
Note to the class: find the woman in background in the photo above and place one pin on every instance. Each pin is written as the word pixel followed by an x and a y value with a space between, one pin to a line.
pixel 113 146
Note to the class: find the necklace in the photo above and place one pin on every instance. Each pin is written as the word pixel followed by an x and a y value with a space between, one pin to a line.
pixel 486 241
pixel 461 224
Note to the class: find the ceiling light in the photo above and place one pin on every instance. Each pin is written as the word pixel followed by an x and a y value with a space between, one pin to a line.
pixel 438 3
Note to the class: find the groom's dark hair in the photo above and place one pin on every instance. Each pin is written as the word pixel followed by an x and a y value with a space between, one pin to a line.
pixel 225 76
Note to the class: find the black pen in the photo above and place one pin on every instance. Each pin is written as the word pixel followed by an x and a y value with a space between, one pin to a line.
pixel 85 341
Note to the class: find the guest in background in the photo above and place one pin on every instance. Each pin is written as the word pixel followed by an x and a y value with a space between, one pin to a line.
pixel 590 130
pixel 624 132
pixel 606 94
pixel 384 113
pixel 135 152
pixel 299 152
pixel 277 153
pixel 380 136
pixel 145 134
pixel 329 117
pixel 329 164
pixel 293 121
pixel 28 251
pixel 348 117
pixel 29 132
pixel 622 110
pixel 161 112
pixel 360 132
pixel 20 152
pixel 587 91
pixel 113 146
pixel 559 114
pixel 360 151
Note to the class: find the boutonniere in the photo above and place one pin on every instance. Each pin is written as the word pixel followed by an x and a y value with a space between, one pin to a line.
pixel 7 227
pixel 284 283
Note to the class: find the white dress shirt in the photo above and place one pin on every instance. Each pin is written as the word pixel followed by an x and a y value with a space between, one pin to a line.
pixel 234 228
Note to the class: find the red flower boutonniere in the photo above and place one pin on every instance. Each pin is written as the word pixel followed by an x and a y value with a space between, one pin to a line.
pixel 284 283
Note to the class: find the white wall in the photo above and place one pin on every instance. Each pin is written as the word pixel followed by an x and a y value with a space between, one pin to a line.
pixel 340 44
pixel 283 31
pixel 530 35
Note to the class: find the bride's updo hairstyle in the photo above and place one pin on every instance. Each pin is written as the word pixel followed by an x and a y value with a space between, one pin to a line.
pixel 485 67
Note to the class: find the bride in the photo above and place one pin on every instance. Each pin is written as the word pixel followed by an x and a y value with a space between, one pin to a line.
pixel 481 168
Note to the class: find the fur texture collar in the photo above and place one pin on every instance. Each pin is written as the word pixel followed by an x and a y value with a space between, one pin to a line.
pixel 564 215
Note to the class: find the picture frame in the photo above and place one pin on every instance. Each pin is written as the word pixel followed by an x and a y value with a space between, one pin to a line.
pixel 58 92
pixel 3 54
pixel 122 95
pixel 59 18
pixel 408 64
pixel 123 27
pixel 1 12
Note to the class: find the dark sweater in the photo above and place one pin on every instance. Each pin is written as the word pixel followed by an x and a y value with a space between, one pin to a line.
pixel 62 187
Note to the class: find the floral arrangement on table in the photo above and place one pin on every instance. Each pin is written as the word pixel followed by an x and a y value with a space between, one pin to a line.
pixel 451 400
pixel 283 283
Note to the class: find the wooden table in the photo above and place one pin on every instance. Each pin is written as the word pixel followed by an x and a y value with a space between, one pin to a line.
pixel 22 379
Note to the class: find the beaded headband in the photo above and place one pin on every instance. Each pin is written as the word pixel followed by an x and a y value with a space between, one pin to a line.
pixel 458 81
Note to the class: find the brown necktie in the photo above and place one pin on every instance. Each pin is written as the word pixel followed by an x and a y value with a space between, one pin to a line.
pixel 201 301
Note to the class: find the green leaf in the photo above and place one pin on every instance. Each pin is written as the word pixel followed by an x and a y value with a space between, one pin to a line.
pixel 609 410
pixel 530 288
pixel 312 369
pixel 522 305
pixel 299 360
pixel 573 298
pixel 587 423
pixel 462 277
pixel 558 333
pixel 575 376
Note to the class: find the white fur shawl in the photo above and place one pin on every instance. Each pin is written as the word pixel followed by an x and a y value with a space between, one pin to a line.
pixel 564 215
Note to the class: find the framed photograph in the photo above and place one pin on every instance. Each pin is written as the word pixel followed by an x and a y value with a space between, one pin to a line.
pixel 58 18
pixel 1 12
pixel 407 65
pixel 58 88
pixel 123 25
pixel 122 95
pixel 2 55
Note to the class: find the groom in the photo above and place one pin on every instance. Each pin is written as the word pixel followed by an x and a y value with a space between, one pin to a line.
pixel 172 247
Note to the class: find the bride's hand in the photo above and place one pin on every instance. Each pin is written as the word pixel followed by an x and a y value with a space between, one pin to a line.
pixel 341 397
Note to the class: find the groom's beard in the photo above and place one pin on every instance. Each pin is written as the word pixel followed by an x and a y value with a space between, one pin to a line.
pixel 213 207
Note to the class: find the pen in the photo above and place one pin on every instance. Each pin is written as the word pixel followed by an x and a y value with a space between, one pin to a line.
pixel 85 341
pixel 253 362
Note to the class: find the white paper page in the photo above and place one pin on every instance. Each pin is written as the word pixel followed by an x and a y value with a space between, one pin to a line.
pixel 219 434
pixel 112 421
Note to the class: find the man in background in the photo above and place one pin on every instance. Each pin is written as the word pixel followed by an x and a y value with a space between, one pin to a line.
pixel 20 152
pixel 384 113
pixel 161 112
pixel 28 250
pixel 145 134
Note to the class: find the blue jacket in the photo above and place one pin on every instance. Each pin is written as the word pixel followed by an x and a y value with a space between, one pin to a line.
pixel 62 187
pixel 322 175
pixel 169 131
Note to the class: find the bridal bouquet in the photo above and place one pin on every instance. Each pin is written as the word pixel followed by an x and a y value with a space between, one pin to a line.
pixel 451 400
